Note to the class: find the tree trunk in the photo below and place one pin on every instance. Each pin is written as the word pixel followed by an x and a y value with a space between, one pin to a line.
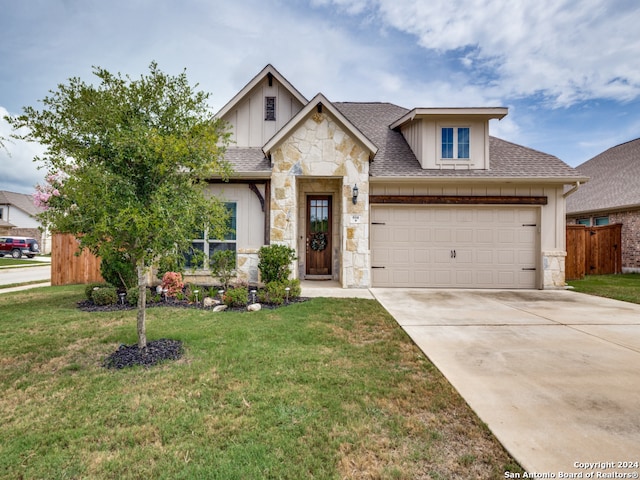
pixel 142 303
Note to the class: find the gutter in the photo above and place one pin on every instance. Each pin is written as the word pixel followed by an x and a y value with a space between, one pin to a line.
pixel 575 187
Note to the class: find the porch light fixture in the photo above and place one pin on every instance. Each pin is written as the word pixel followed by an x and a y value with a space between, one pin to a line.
pixel 355 194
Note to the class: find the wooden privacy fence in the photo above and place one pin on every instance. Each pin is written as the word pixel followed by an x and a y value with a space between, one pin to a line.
pixel 593 250
pixel 67 267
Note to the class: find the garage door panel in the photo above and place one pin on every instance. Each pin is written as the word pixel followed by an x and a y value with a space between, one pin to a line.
pixel 484 236
pixel 421 256
pixel 491 246
pixel 400 256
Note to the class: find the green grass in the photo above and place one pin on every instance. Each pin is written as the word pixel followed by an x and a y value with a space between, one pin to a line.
pixel 329 388
pixel 18 262
pixel 624 287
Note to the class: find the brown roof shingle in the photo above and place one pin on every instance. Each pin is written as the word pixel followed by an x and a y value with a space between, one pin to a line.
pixel 395 158
pixel 614 180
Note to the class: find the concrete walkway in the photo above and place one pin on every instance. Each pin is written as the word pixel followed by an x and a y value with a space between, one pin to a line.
pixel 554 374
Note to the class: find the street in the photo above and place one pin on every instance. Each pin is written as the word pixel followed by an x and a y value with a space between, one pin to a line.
pixel 9 276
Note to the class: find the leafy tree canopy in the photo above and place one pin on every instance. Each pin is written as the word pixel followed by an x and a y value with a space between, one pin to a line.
pixel 127 162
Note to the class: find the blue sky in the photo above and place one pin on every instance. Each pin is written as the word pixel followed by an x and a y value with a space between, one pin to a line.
pixel 568 70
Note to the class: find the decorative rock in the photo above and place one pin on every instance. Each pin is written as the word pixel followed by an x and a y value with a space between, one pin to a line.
pixel 220 308
pixel 210 302
pixel 254 307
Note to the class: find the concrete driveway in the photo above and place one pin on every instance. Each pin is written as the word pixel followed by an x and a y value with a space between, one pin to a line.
pixel 554 374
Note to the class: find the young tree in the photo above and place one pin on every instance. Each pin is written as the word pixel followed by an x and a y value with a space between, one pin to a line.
pixel 128 160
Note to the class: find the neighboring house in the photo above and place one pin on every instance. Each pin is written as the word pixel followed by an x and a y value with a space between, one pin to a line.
pixel 373 194
pixel 18 218
pixel 612 196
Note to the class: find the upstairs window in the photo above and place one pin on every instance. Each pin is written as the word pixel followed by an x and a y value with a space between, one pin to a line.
pixel 455 142
pixel 270 108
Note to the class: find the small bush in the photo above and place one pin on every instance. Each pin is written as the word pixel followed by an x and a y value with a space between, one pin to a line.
pixel 133 294
pixel 172 282
pixel 275 261
pixel 236 297
pixel 223 264
pixel 118 270
pixel 88 289
pixel 276 293
pixel 105 296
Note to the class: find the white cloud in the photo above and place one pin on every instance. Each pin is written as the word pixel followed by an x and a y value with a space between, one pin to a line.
pixel 569 51
pixel 18 171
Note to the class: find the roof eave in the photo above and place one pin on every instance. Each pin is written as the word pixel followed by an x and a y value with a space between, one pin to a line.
pixel 476 179
pixel 620 208
pixel 487 113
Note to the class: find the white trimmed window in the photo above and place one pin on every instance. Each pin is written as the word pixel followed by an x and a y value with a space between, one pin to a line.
pixel 455 143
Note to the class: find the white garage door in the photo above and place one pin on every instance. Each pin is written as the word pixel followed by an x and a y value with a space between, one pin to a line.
pixel 464 247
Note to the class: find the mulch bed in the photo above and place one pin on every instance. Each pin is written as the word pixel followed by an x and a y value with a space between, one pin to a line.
pixel 155 352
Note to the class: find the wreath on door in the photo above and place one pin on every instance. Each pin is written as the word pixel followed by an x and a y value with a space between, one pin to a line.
pixel 319 241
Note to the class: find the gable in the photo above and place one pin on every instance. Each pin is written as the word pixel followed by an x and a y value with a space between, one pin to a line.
pixel 318 107
pixel 263 107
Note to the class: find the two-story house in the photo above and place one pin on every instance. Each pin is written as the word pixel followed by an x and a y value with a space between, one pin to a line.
pixel 373 194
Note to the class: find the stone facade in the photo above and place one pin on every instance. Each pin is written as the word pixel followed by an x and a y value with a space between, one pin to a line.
pixel 553 269
pixel 320 156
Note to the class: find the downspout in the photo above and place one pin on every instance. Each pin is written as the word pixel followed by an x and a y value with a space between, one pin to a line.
pixel 575 187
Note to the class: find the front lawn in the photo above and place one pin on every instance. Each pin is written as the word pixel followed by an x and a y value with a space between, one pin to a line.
pixel 328 388
pixel 624 287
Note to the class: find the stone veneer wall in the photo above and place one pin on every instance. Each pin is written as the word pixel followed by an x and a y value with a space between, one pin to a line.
pixel 321 148
pixel 553 263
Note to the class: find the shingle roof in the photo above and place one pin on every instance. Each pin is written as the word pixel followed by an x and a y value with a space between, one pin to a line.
pixel 395 159
pixel 247 159
pixel 614 180
pixel 20 200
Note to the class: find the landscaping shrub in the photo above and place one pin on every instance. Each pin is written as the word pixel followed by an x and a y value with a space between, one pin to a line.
pixel 275 261
pixel 170 263
pixel 105 296
pixel 223 264
pixel 88 289
pixel 236 297
pixel 133 293
pixel 118 270
pixel 276 293
pixel 172 282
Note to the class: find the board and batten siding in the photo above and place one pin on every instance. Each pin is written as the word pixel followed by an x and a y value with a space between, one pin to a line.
pixel 423 136
pixel 248 125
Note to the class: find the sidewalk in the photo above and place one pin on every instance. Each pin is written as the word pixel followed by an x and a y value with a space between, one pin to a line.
pixel 332 289
pixel 24 287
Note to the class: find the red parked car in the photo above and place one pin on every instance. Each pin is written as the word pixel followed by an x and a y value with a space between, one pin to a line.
pixel 18 246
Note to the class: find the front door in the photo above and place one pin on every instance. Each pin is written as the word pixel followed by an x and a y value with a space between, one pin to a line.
pixel 318 235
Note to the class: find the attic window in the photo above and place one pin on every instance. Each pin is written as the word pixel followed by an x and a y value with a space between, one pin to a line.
pixel 455 142
pixel 270 109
